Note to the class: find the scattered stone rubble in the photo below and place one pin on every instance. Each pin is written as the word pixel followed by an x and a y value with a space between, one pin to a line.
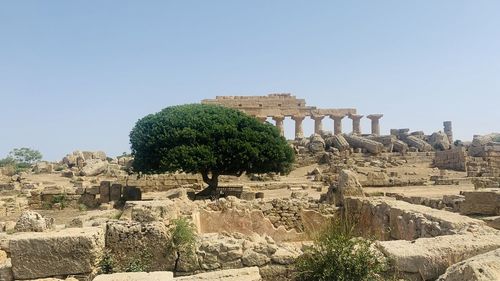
pixel 259 239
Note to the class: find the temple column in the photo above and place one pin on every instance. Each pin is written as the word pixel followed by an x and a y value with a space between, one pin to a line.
pixel 261 118
pixel 279 124
pixel 448 130
pixel 337 123
pixel 318 125
pixel 299 131
pixel 375 123
pixel 356 124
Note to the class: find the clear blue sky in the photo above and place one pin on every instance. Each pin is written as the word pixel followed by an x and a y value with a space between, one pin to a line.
pixel 79 74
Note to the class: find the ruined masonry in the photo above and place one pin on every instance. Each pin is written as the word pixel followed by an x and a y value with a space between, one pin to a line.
pixel 283 105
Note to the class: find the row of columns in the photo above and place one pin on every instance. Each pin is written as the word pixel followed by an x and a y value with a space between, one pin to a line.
pixel 318 123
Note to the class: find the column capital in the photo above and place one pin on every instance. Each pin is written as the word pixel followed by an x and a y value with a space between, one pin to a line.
pixel 317 117
pixel 337 116
pixel 375 116
pixel 355 116
pixel 278 117
pixel 298 117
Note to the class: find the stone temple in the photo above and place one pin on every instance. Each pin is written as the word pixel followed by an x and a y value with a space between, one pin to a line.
pixel 282 105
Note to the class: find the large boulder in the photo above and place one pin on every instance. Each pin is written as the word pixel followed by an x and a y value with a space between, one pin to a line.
pixel 348 185
pixel 417 143
pixel 316 143
pixel 428 258
pixel 485 267
pixel 74 159
pixel 479 145
pixel 72 251
pixel 369 145
pixel 439 141
pixel 94 167
pixel 30 221
pixel 338 142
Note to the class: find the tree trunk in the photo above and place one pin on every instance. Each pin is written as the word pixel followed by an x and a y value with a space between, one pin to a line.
pixel 211 189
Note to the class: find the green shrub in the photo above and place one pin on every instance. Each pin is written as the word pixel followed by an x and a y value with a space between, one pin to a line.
pixel 106 264
pixel 183 238
pixel 338 255
pixel 60 199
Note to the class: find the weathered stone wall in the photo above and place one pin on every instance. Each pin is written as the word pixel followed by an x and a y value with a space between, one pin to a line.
pixel 486 166
pixel 91 196
pixel 161 182
pixel 481 202
pixel 453 159
pixel 388 219
pixel 286 212
pixel 147 244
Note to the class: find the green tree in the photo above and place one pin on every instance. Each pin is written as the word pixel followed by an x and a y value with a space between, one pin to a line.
pixel 208 139
pixel 25 156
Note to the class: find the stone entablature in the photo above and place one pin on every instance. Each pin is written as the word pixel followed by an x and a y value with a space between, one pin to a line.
pixel 281 105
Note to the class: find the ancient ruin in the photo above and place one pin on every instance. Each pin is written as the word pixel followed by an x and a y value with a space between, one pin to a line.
pixel 431 204
pixel 281 106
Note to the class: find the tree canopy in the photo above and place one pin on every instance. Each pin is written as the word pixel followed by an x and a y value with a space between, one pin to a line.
pixel 26 156
pixel 208 139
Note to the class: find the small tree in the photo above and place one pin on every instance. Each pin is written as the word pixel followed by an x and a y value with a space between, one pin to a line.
pixel 25 156
pixel 208 139
pixel 338 255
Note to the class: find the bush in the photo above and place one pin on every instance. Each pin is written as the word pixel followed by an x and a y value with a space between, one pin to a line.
pixel 106 264
pixel 60 199
pixel 183 239
pixel 337 255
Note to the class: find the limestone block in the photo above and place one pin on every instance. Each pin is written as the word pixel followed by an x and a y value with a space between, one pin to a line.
pixel 387 218
pixel 241 274
pixel 428 258
pixel 115 192
pixel 104 192
pixel 482 267
pixel 150 211
pixel 132 193
pixel 94 167
pixel 417 143
pixel 69 251
pixel 92 190
pixel 88 200
pixel 136 276
pixel 338 142
pixel 481 202
pixel 30 221
pixel 348 186
pixel 358 142
pixel 6 270
pixel 134 242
